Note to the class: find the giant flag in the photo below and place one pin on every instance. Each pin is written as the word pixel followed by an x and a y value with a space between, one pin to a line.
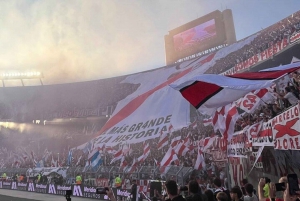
pixel 207 92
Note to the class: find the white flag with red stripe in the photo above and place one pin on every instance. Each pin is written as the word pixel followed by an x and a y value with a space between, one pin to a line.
pixel 230 119
pixel 169 157
pixel 207 143
pixel 163 140
pixel 156 162
pixel 123 163
pixel 117 156
pixel 132 168
pixel 206 92
pixel 207 122
pixel 267 95
pixel 200 162
pixel 219 118
pixel 181 149
pixel 175 141
pixel 146 153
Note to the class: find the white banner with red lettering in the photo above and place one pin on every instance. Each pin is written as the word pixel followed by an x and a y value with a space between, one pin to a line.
pixel 286 129
pixel 236 147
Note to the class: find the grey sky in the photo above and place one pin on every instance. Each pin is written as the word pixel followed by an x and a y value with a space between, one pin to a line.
pixel 81 40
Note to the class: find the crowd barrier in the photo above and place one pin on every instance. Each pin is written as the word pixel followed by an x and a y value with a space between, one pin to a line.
pixel 53 189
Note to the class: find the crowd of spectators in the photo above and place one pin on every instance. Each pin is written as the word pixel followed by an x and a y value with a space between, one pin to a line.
pixel 60 140
pixel 265 39
pixel 284 98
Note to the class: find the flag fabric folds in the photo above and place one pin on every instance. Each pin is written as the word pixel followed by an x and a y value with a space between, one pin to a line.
pixel 206 92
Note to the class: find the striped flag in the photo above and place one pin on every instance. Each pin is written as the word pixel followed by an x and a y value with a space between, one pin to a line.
pixel 146 153
pixel 163 140
pixel 96 160
pixel 117 156
pixel 200 162
pixel 175 141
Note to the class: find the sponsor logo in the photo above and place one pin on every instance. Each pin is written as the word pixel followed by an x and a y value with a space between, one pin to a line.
pixel 14 186
pixel 123 193
pixel 90 190
pixel 51 189
pixel 77 191
pixel 41 186
pixel 31 187
pixel 22 184
pixel 6 183
pixel 64 188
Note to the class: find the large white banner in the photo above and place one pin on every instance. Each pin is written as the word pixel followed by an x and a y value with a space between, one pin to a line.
pixel 153 108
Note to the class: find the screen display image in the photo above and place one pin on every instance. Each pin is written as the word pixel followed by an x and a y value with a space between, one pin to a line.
pixel 194 36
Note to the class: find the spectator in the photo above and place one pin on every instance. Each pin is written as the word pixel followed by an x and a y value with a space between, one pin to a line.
pixel 210 195
pixel 219 188
pixel 289 96
pixel 194 191
pixel 236 194
pixel 172 191
pixel 133 190
pixel 222 196
pixel 250 196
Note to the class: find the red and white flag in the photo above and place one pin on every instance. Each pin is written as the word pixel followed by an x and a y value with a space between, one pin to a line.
pixel 207 143
pixel 109 150
pixel 181 149
pixel 266 95
pixel 169 157
pixel 193 125
pixel 132 168
pixel 207 122
pixel 175 141
pixel 230 119
pixel 200 162
pixel 206 92
pixel 117 156
pixel 127 149
pixel 163 140
pixel 219 118
pixel 123 163
pixel 146 153
pixel 187 140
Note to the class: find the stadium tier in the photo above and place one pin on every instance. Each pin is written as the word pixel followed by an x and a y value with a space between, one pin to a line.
pixel 139 127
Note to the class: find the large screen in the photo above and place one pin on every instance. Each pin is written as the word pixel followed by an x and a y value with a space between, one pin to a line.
pixel 195 36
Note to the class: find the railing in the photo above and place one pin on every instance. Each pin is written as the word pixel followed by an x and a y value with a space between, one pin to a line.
pixel 178 173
